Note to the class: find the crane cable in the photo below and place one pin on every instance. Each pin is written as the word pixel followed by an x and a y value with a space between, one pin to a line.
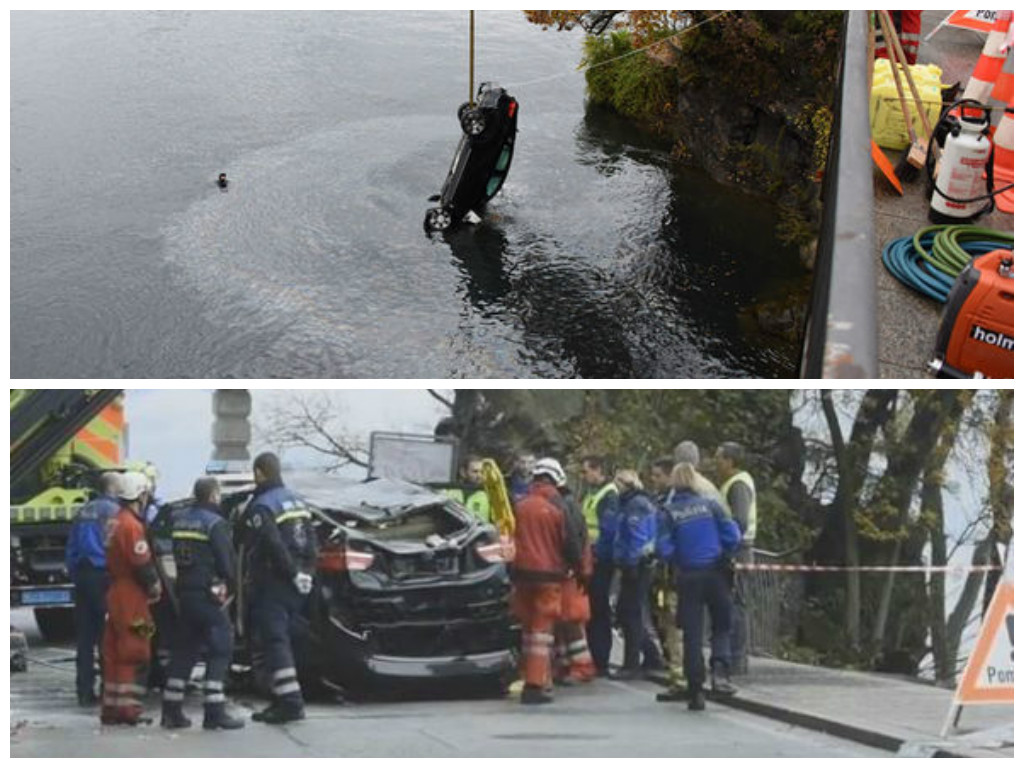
pixel 472 58
pixel 581 68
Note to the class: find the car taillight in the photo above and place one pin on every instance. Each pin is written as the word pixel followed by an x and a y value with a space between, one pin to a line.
pixel 358 561
pixel 512 106
pixel 336 560
pixel 492 553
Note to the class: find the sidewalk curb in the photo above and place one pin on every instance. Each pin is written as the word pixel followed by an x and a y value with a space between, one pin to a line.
pixel 835 728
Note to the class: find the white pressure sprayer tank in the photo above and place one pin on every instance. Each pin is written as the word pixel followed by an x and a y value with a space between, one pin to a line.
pixel 961 173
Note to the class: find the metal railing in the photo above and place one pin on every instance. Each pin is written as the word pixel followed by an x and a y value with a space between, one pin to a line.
pixel 841 334
pixel 772 600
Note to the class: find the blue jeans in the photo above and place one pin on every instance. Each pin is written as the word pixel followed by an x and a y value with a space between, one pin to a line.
pixel 90 615
pixel 699 591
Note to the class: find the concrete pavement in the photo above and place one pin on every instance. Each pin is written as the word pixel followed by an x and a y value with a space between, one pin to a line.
pixel 884 711
pixel 605 718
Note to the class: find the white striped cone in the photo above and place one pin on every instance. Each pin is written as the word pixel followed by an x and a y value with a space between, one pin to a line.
pixel 989 65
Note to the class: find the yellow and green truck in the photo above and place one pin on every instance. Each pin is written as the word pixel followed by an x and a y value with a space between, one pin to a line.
pixel 61 440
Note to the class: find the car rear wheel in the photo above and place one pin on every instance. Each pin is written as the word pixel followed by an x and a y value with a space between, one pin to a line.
pixel 438 220
pixel 473 121
pixel 56 625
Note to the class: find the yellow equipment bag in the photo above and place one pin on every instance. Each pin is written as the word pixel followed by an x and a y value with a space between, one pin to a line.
pixel 887 123
pixel 500 507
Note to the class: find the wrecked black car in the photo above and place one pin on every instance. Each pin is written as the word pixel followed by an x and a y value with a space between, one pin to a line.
pixel 410 588
pixel 482 159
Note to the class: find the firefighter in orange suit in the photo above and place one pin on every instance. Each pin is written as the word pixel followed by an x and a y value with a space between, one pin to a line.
pixel 134 584
pixel 545 553
pixel 573 662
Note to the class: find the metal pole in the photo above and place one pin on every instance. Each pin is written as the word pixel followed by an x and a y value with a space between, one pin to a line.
pixel 472 58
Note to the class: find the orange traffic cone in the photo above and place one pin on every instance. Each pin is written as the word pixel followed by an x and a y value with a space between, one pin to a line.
pixel 1003 160
pixel 1001 94
pixel 989 65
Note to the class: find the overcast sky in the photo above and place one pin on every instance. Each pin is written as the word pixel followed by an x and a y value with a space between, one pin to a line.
pixel 171 428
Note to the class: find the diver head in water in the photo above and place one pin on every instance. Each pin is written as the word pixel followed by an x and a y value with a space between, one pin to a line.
pixel 222 181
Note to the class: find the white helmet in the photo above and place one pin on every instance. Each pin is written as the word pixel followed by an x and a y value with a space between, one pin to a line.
pixel 551 468
pixel 149 470
pixel 132 486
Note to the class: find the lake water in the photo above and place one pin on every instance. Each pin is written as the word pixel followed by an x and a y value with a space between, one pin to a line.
pixel 599 259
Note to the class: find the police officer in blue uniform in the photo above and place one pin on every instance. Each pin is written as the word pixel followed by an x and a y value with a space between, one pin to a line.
pixel 698 540
pixel 86 560
pixel 282 540
pixel 204 558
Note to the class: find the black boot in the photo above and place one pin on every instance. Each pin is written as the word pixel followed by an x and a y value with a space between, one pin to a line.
pixel 278 713
pixel 697 701
pixel 173 716
pixel 215 717
pixel 532 694
pixel 672 695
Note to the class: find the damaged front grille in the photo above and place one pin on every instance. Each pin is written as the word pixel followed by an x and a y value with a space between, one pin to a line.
pixel 449 639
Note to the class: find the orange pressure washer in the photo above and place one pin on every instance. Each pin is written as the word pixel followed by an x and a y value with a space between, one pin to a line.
pixel 975 339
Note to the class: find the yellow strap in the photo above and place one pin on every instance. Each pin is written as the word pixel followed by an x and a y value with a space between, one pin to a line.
pixel 193 535
pixel 500 507
pixel 298 514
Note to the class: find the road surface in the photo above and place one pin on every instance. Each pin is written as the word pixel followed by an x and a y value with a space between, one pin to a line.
pixel 606 718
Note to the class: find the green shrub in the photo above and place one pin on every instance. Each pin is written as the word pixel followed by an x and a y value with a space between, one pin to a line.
pixel 635 86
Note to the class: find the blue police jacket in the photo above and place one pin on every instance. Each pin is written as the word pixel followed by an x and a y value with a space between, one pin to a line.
pixel 87 540
pixel 203 554
pixel 637 528
pixel 699 533
pixel 282 530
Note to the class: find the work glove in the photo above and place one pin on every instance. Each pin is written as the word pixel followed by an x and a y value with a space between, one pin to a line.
pixel 303 583
pixel 219 592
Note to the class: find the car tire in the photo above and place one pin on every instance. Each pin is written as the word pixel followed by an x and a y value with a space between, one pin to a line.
pixel 474 122
pixel 438 220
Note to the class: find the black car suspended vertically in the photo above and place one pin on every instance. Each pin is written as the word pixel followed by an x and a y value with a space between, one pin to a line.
pixel 482 160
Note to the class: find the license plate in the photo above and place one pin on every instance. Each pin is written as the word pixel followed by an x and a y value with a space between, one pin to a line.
pixel 46 597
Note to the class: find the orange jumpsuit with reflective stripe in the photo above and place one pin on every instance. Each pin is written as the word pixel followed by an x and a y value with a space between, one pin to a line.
pixel 573 656
pixel 129 627
pixel 537 575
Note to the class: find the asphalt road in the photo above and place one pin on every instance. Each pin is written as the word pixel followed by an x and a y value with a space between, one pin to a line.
pixel 606 718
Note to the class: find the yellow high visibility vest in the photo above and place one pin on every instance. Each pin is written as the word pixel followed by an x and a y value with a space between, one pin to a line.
pixel 746 479
pixel 590 504
pixel 479 505
pixel 455 494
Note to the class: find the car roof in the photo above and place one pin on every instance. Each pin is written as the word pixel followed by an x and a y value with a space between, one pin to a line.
pixel 368 499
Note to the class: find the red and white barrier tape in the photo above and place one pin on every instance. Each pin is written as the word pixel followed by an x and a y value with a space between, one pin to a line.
pixel 867 568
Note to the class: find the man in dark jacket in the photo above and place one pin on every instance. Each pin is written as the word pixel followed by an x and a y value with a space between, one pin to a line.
pixel 284 550
pixel 544 554
pixel 86 560
pixel 699 539
pixel 204 560
pixel 600 508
